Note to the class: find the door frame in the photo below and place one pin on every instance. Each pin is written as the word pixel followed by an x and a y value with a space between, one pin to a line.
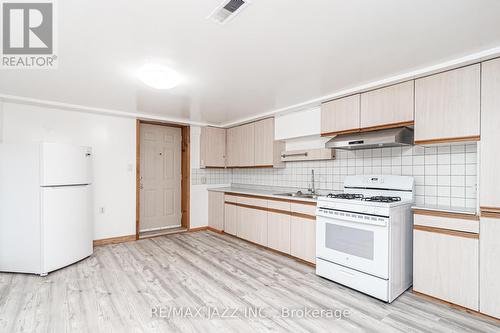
pixel 185 172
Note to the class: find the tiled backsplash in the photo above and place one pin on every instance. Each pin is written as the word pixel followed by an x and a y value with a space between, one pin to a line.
pixel 211 176
pixel 444 175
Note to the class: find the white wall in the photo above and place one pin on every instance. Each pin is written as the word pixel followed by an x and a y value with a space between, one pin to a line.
pixel 113 142
pixel 1 121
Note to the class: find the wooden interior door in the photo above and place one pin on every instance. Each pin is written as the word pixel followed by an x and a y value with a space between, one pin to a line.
pixel 160 177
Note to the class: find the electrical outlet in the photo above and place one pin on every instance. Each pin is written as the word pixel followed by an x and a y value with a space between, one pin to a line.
pixel 203 180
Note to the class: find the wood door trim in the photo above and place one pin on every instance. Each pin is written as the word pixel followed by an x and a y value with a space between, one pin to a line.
pixel 137 176
pixel 448 140
pixel 309 203
pixel 446 231
pixel 186 177
pixel 388 126
pixel 453 305
pixel 446 214
pixel 272 210
pixel 114 240
pixel 185 172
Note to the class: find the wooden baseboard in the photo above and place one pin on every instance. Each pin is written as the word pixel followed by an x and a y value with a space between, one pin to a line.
pixel 215 230
pixel 198 229
pixel 114 240
pixel 455 306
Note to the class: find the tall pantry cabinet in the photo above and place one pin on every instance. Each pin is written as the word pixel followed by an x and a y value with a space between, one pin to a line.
pixel 489 197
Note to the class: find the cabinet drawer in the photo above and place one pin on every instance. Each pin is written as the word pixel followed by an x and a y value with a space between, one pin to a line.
pixel 446 267
pixel 280 205
pixel 230 198
pixel 465 224
pixel 303 209
pixel 252 202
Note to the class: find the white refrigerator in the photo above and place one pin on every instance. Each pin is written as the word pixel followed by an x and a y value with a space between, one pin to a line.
pixel 45 206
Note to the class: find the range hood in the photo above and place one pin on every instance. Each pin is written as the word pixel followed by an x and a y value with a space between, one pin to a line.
pixel 393 137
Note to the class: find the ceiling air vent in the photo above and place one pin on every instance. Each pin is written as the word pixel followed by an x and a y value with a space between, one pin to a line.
pixel 228 10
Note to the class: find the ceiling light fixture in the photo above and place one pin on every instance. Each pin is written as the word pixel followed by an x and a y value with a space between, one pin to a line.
pixel 158 76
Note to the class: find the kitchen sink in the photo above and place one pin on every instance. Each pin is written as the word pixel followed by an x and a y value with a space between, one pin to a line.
pixel 298 194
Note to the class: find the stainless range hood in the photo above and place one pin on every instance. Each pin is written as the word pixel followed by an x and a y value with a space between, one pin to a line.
pixel 393 137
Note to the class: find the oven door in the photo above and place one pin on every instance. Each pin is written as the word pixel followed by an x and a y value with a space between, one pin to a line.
pixel 355 244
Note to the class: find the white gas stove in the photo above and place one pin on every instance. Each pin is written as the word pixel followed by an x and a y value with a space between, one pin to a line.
pixel 364 235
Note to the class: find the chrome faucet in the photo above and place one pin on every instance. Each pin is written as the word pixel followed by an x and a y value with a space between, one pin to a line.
pixel 312 189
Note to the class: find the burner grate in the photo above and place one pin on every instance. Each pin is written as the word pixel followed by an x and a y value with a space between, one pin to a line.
pixel 347 196
pixel 381 198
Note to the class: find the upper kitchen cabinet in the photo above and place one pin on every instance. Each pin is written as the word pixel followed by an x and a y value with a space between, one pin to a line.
pixel 246 145
pixel 253 145
pixel 447 106
pixel 341 116
pixel 490 137
pixel 388 107
pixel 240 146
pixel 212 147
pixel 264 142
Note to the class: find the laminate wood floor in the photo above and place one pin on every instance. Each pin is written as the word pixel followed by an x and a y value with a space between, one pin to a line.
pixel 118 288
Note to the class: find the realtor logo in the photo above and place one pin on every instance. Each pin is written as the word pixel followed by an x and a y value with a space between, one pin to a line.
pixel 28 34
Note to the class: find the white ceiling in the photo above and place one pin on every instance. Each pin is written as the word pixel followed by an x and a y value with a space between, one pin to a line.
pixel 273 55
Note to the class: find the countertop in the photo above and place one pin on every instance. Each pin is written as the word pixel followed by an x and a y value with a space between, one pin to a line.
pixel 446 209
pixel 268 191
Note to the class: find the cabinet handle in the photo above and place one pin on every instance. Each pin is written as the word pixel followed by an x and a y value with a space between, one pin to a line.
pixel 295 154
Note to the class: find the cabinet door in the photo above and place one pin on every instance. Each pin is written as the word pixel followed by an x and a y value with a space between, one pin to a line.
pixel 216 210
pixel 489 268
pixel 246 145
pixel 446 267
pixel 264 142
pixel 341 115
pixel 252 225
pixel 388 107
pixel 232 142
pixel 303 238
pixel 278 232
pixel 213 147
pixel 447 106
pixel 231 219
pixel 490 136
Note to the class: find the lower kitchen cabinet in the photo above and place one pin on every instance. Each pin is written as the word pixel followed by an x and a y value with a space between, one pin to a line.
pixel 446 266
pixel 231 219
pixel 216 210
pixel 278 232
pixel 303 238
pixel 490 269
pixel 252 225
